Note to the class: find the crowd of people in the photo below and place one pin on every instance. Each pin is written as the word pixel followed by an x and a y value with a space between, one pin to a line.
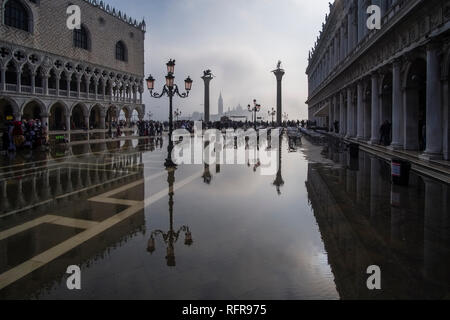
pixel 29 134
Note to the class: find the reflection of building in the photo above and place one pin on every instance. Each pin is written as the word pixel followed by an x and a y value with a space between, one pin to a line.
pixel 69 79
pixel 63 190
pixel 364 221
pixel 362 78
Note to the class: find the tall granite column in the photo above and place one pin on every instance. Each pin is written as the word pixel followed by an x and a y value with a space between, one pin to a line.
pixel 279 73
pixel 207 77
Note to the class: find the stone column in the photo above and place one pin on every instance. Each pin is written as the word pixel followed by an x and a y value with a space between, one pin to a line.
pixel 360 107
pixel 367 117
pixel 58 78
pixel 375 138
pixel 3 83
pixel 397 107
pixel 78 87
pixel 279 73
pixel 69 77
pixel 45 79
pixel 350 114
pixel 33 82
pixel 68 126
pixel 342 124
pixel 96 89
pixel 19 80
pixel 342 43
pixel 361 16
pixel 349 31
pixel 434 105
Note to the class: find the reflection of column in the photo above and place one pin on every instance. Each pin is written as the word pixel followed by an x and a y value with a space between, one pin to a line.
pixel 399 205
pixel 47 192
pixel 434 259
pixel 434 104
pixel 20 199
pixel 69 180
pixel 34 196
pixel 375 178
pixel 58 190
pixel 4 204
pixel 360 181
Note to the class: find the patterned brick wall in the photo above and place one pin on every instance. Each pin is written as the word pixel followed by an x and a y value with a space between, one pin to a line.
pixel 51 34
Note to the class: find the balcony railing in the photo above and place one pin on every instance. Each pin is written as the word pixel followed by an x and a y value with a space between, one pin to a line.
pixel 63 93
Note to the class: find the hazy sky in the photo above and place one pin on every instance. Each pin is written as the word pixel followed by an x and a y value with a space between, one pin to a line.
pixel 239 40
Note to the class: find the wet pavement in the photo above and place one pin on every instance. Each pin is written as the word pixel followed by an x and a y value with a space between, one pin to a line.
pixel 139 231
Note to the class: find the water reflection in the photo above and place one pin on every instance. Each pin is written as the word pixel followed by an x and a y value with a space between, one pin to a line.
pixel 365 220
pixel 170 237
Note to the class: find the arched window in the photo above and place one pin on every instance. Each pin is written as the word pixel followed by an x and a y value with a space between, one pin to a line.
pixel 81 38
pixel 16 15
pixel 121 51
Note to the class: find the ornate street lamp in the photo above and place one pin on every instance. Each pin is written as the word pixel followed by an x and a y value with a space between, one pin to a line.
pixel 256 108
pixel 272 113
pixel 170 89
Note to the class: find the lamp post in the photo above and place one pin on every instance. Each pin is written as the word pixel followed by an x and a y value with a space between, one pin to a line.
pixel 272 113
pixel 256 108
pixel 285 116
pixel 170 89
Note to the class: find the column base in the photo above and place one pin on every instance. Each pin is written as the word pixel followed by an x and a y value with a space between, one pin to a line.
pixel 374 142
pixel 395 147
pixel 431 156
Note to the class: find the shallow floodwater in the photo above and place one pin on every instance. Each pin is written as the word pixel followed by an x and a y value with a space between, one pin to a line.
pixel 219 232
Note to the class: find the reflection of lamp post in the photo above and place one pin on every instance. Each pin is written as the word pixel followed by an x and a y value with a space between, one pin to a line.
pixel 279 182
pixel 272 113
pixel 207 177
pixel 170 237
pixel 256 108
pixel 169 89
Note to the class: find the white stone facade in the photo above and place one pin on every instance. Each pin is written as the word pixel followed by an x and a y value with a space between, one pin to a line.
pixel 44 75
pixel 362 78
